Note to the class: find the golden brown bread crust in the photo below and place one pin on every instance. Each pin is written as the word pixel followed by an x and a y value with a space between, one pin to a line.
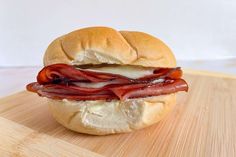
pixel 96 45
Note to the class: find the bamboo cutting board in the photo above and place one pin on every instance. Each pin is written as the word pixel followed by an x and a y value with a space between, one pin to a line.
pixel 203 123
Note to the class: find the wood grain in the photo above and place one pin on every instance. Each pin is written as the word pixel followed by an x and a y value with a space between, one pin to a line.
pixel 20 141
pixel 203 123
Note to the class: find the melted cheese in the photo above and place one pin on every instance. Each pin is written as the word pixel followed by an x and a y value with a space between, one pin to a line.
pixel 94 85
pixel 128 71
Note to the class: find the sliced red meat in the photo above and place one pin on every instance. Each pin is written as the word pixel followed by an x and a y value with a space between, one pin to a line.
pixel 163 73
pixel 77 97
pixel 121 92
pixel 68 92
pixel 144 90
pixel 66 73
pixel 63 73
pixel 58 81
pixel 63 89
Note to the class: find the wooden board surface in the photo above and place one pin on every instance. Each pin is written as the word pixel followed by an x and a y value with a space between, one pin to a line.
pixel 203 123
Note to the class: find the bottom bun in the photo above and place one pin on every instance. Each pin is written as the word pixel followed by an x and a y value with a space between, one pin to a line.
pixel 102 117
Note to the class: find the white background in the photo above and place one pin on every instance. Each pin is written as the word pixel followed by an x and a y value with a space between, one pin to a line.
pixel 194 29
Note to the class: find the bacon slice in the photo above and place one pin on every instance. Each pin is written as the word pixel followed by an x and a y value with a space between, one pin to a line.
pixel 58 81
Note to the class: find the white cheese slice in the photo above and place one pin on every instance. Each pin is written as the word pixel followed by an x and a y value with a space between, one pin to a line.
pixel 128 71
pixel 94 85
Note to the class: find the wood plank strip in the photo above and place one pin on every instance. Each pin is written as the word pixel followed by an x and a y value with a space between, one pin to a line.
pixel 20 141
pixel 208 73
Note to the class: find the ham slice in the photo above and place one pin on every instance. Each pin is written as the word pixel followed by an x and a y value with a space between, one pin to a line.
pixel 58 81
pixel 144 90
pixel 63 73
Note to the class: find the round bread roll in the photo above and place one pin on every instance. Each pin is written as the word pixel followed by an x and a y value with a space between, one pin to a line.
pixel 96 45
pixel 99 45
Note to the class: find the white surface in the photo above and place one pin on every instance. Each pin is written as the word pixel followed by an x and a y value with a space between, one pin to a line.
pixel 227 66
pixel 195 30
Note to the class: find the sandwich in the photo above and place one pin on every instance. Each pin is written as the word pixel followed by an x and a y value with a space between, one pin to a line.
pixel 100 81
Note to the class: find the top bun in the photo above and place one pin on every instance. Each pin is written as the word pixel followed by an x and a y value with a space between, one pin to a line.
pixel 97 45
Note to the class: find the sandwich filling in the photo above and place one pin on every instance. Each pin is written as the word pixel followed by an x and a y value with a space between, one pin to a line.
pixel 62 81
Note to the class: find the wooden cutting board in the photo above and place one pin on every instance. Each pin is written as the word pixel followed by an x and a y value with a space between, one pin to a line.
pixel 203 123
